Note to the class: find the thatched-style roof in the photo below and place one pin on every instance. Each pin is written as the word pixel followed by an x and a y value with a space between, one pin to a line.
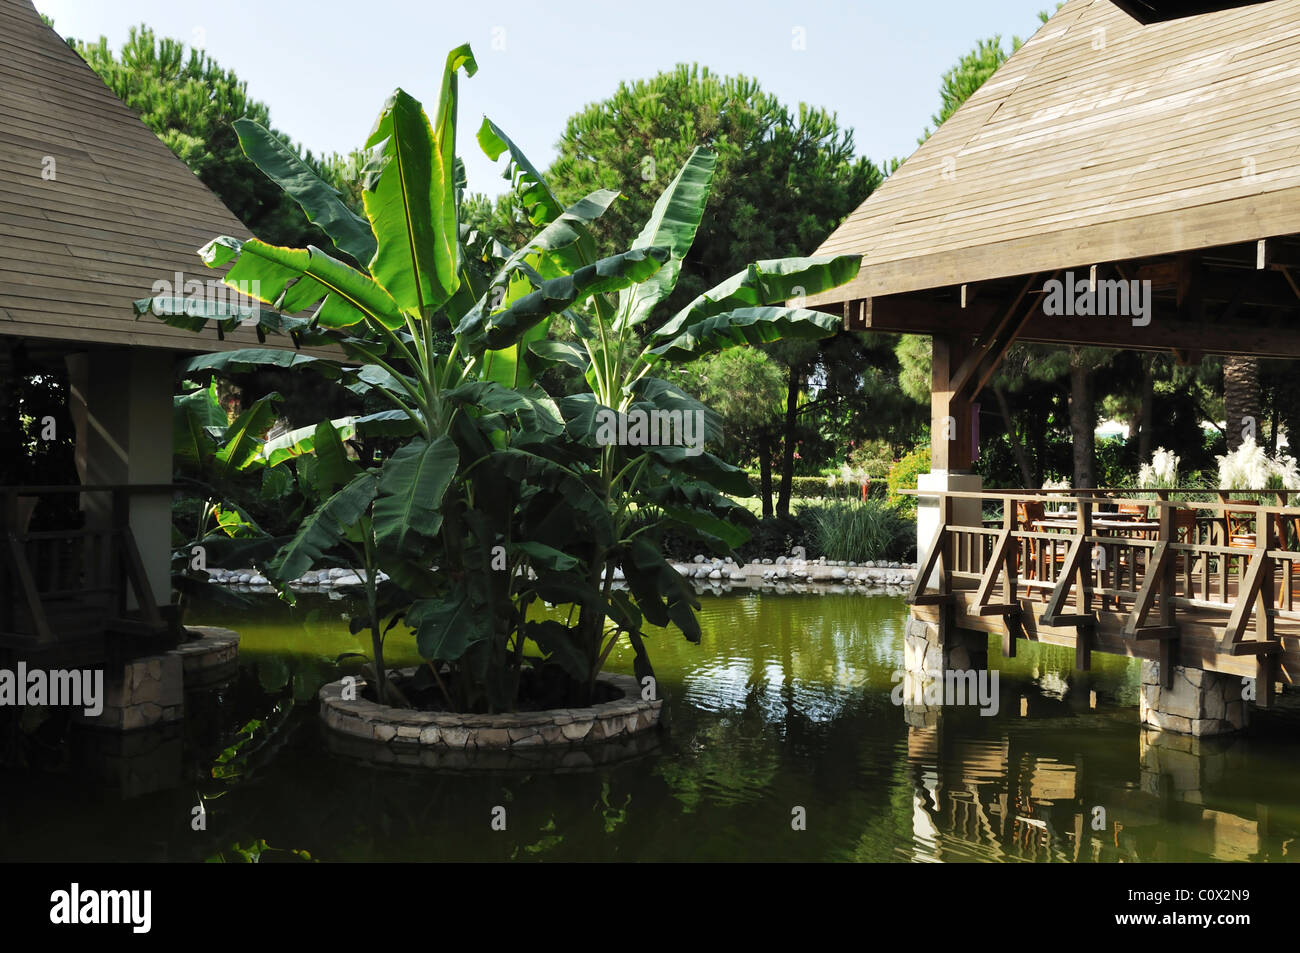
pixel 93 207
pixel 1100 140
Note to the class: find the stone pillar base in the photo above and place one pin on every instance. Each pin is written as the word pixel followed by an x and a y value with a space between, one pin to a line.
pixel 1200 703
pixel 925 651
pixel 141 693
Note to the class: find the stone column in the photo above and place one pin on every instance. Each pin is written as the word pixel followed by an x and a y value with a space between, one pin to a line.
pixel 965 512
pixel 1199 703
pixel 928 655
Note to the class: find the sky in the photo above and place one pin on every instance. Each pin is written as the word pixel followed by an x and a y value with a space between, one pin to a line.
pixel 325 68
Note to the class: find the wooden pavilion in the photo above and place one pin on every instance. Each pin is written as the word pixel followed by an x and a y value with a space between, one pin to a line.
pixel 1122 143
pixel 94 210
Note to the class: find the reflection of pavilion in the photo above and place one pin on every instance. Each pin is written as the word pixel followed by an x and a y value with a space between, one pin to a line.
pixel 1027 796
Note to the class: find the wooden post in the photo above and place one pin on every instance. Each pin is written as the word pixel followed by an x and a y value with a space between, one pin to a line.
pixel 1168 583
pixel 950 411
pixel 1264 603
pixel 1083 586
pixel 1010 624
pixel 945 567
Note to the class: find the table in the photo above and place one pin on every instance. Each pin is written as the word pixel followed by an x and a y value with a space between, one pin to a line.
pixel 1100 526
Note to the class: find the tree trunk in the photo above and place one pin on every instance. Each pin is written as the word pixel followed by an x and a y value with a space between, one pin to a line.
pixel 787 451
pixel 1145 422
pixel 1082 425
pixel 1240 400
pixel 765 471
pixel 1017 445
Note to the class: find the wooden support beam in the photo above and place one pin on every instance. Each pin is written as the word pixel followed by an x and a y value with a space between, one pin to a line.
pixel 1247 592
pixel 27 585
pixel 932 599
pixel 1069 573
pixel 1149 633
pixel 989 343
pixel 906 314
pixel 995 568
pixel 1151 585
pixel 1265 670
pixel 927 568
pixel 950 411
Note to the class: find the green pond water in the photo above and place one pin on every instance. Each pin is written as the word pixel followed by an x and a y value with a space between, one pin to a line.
pixel 783 711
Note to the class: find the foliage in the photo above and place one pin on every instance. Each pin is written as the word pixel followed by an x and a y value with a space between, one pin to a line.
pixel 903 475
pixel 191 103
pixel 514 493
pixel 859 530
pixel 1249 467
pixel 784 178
pixel 1161 472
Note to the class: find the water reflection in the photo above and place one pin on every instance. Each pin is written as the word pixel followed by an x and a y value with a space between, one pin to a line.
pixel 784 705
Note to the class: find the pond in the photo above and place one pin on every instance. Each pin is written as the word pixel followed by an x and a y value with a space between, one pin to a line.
pixel 784 711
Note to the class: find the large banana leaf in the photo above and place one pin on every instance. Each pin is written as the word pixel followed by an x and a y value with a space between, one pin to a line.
pixel 319 200
pixel 333 468
pixel 411 487
pixel 765 283
pixel 445 628
pixel 295 443
pixel 746 326
pixel 249 359
pixel 404 201
pixel 198 422
pixel 242 443
pixel 672 225
pixel 324 529
pixel 539 202
pixel 292 279
pixel 536 410
pixel 558 294
pixel 566 241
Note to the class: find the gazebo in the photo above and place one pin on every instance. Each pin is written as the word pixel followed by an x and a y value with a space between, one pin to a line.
pixel 95 211
pixel 1149 162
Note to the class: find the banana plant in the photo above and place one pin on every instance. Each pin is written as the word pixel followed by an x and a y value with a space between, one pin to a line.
pixel 650 487
pixel 402 312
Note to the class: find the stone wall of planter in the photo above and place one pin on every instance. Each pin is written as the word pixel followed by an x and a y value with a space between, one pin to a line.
pixel 369 721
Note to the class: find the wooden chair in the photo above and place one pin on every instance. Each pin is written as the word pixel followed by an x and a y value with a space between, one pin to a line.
pixel 1028 514
pixel 1133 511
pixel 1241 531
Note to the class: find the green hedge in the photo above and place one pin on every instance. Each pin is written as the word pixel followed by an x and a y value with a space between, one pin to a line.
pixel 815 488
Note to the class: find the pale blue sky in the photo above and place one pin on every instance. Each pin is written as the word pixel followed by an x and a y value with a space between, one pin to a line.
pixel 325 68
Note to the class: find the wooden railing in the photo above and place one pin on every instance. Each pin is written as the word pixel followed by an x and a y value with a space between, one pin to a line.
pixel 67 582
pixel 1234 562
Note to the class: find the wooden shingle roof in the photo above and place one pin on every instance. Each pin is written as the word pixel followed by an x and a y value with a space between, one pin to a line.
pixel 119 213
pixel 1099 140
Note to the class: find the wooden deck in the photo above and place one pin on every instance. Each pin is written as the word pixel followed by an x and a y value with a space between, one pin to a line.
pixel 1211 585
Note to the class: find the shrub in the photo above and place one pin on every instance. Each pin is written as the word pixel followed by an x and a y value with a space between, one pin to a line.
pixel 855 531
pixel 903 474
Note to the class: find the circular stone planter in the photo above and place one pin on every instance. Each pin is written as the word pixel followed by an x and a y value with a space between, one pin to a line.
pixel 210 659
pixel 448 739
